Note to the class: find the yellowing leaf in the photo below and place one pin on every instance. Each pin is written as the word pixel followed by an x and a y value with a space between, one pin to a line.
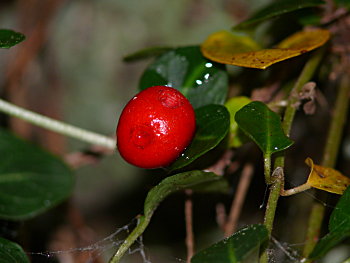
pixel 222 47
pixel 309 39
pixel 224 42
pixel 326 179
pixel 236 136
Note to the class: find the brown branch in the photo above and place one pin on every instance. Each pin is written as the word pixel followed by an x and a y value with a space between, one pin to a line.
pixel 189 226
pixel 238 201
pixel 220 166
pixel 221 216
pixel 34 18
pixel 89 156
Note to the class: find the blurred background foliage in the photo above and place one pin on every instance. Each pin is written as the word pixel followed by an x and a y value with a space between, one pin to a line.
pixel 70 68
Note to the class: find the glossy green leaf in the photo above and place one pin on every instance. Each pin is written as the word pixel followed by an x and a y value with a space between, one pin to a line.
pixel 242 247
pixel 237 137
pixel 341 213
pixel 169 185
pixel 202 81
pixel 175 183
pixel 9 38
pixel 11 252
pixel 263 126
pixel 339 227
pixel 221 186
pixel 146 53
pixel 277 8
pixel 31 180
pixel 213 122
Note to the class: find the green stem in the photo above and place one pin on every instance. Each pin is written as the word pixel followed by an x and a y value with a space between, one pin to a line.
pixel 338 120
pixel 330 155
pixel 273 198
pixel 305 76
pixel 267 168
pixel 271 207
pixel 139 229
pixel 56 126
pixel 314 226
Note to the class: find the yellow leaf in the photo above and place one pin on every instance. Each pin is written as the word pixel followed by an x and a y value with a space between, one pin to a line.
pixel 326 179
pixel 222 47
pixel 236 136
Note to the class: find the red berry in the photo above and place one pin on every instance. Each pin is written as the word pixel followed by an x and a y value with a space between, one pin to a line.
pixel 155 127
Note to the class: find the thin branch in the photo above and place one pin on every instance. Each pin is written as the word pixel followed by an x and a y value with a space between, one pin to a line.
pixel 189 225
pixel 91 155
pixel 267 168
pixel 221 216
pixel 305 76
pixel 238 201
pixel 275 190
pixel 329 157
pixel 295 190
pixel 56 126
pixel 143 222
pixel 314 226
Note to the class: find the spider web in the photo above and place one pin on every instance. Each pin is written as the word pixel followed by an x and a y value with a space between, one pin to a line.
pixel 97 249
pixel 279 251
pixel 282 251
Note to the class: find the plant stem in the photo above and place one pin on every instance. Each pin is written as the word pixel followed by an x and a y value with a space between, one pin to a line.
pixel 314 226
pixel 271 207
pixel 305 76
pixel 56 126
pixel 189 225
pixel 237 203
pixel 295 190
pixel 273 198
pixel 338 120
pixel 267 168
pixel 329 158
pixel 139 229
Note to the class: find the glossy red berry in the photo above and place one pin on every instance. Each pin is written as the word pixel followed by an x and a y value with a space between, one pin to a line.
pixel 155 127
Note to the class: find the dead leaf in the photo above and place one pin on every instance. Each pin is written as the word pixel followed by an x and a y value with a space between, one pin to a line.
pixel 326 178
pixel 308 93
pixel 222 47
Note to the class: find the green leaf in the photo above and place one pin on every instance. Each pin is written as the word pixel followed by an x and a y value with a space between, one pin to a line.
pixel 242 247
pixel 221 186
pixel 31 180
pixel 263 126
pixel 339 227
pixel 11 252
pixel 237 137
pixel 175 183
pixel 9 38
pixel 146 53
pixel 157 194
pixel 213 122
pixel 277 8
pixel 341 213
pixel 202 81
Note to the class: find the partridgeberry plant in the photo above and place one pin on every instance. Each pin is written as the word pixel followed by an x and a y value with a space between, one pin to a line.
pixel 239 104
